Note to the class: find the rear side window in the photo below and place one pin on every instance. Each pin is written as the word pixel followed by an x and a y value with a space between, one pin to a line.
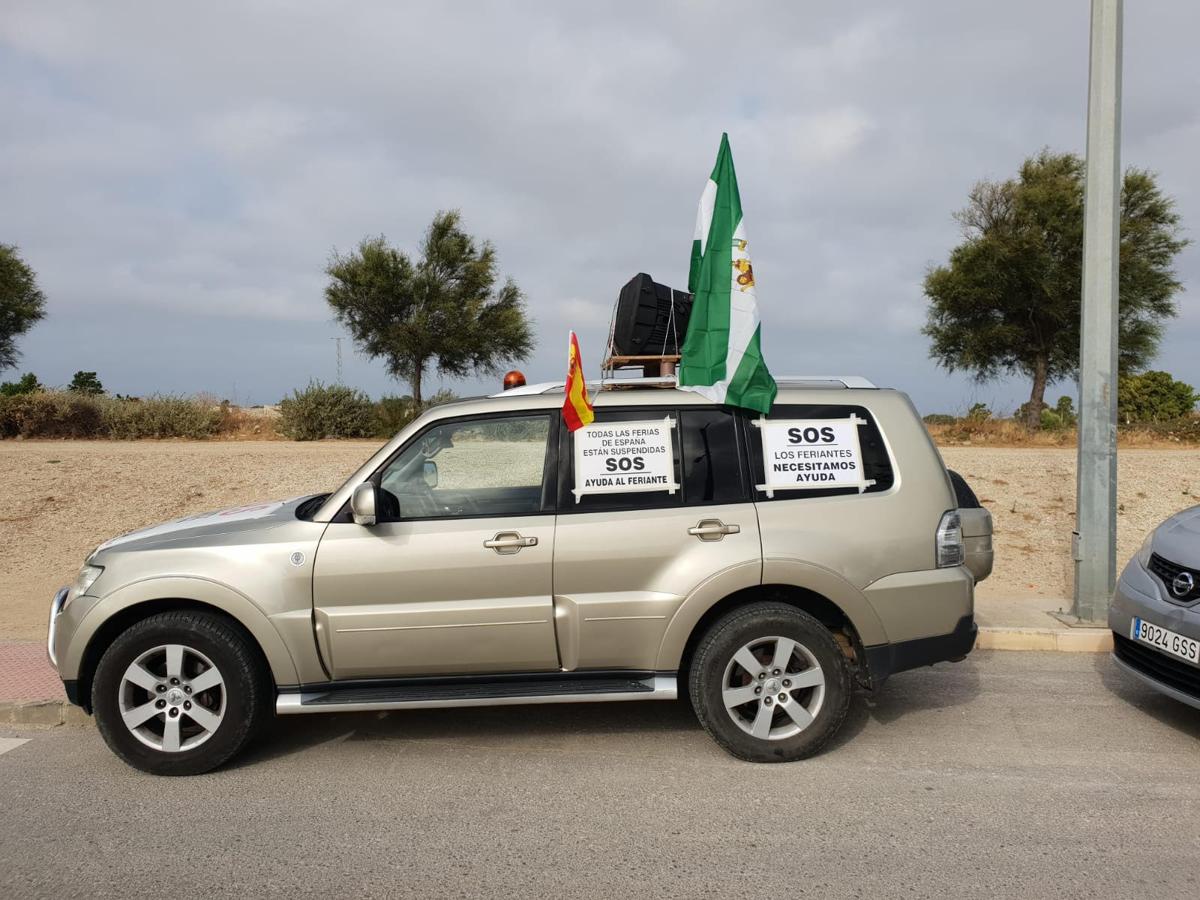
pixel 877 465
pixel 711 448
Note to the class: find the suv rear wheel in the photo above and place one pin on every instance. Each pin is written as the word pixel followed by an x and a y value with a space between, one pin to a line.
pixel 770 683
pixel 179 693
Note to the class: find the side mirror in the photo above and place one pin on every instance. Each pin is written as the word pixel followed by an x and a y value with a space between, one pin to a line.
pixel 362 504
pixel 429 473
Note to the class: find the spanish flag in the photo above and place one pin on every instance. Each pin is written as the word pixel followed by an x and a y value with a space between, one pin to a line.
pixel 577 408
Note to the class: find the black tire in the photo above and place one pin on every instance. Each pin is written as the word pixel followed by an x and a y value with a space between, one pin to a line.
pixel 712 661
pixel 246 691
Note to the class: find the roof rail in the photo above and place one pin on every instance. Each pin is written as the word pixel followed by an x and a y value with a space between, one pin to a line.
pixel 848 381
pixel 551 387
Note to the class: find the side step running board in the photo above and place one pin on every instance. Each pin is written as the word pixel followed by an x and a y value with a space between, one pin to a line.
pixel 427 696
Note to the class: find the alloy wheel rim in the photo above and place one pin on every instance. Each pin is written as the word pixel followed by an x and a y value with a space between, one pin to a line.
pixel 773 688
pixel 172 698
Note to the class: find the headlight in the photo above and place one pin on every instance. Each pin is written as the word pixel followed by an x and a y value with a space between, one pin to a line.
pixel 1143 554
pixel 85 579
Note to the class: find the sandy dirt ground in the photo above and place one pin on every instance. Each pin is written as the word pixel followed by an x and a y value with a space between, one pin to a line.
pixel 58 500
pixel 1031 496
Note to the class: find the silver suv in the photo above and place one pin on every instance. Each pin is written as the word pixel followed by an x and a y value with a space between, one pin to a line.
pixel 487 556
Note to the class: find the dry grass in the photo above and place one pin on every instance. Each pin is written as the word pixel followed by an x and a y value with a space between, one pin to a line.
pixel 250 424
pixel 1009 433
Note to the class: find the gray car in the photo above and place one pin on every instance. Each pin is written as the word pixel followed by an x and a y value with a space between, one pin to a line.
pixel 1155 612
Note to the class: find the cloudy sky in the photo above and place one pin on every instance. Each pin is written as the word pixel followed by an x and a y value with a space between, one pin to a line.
pixel 178 174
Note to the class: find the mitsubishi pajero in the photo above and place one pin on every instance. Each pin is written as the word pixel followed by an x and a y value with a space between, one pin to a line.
pixel 487 556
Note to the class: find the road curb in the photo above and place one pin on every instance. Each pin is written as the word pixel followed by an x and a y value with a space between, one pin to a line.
pixel 42 712
pixel 1059 640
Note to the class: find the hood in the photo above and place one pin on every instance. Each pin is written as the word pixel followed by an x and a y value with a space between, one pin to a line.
pixel 1178 538
pixel 202 528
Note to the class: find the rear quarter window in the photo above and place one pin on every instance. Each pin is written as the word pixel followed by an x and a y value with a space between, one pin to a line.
pixel 877 464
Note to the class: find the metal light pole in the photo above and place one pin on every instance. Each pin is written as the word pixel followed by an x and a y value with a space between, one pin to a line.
pixel 1095 540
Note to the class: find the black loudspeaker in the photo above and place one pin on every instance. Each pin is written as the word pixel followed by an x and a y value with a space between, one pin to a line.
pixel 651 319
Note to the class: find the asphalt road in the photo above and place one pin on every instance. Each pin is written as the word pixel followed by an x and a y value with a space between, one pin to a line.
pixel 1011 774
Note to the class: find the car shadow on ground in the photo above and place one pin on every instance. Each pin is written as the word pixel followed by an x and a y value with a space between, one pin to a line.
pixel 941 686
pixel 665 723
pixel 1145 699
pixel 543 725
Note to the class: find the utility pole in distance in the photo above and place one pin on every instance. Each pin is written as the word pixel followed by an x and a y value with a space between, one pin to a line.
pixel 1095 538
pixel 338 341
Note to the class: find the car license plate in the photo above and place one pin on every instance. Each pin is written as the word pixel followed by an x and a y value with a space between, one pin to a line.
pixel 1166 641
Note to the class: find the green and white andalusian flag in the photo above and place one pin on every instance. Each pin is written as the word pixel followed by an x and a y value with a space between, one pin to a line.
pixel 722 353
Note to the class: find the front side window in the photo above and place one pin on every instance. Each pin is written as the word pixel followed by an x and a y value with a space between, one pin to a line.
pixel 468 468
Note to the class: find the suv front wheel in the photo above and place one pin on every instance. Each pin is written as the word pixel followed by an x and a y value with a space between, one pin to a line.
pixel 770 683
pixel 179 693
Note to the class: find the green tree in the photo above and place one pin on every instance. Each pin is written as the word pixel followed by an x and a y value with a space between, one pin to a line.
pixel 21 303
pixel 1009 299
pixel 1153 397
pixel 86 383
pixel 26 384
pixel 442 312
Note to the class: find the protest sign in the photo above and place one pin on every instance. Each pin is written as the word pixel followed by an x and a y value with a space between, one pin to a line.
pixel 625 457
pixel 811 454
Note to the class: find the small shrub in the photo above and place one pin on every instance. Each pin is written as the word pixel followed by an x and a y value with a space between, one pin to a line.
pixel 445 395
pixel 161 416
pixel 1066 411
pixel 1184 430
pixel 979 412
pixel 321 411
pixel 65 414
pixel 26 384
pixel 1059 417
pixel 393 413
pixel 939 419
pixel 1051 420
pixel 50 414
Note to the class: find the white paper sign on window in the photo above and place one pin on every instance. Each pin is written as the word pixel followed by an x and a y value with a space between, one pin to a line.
pixel 811 454
pixel 625 457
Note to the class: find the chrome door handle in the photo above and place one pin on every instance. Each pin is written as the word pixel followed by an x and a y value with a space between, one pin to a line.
pixel 713 529
pixel 509 542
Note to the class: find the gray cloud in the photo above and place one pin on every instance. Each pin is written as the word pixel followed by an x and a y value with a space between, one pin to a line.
pixel 179 176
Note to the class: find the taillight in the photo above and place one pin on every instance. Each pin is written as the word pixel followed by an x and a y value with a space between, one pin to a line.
pixel 950 549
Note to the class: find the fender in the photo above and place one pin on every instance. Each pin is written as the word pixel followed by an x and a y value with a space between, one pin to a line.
pixel 710 591
pixel 211 593
pixel 793 572
pixel 833 587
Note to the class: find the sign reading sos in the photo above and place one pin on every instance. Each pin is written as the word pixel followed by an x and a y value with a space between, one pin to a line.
pixel 811 435
pixel 625 464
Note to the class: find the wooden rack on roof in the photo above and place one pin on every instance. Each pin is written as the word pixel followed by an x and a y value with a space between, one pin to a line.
pixel 651 366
